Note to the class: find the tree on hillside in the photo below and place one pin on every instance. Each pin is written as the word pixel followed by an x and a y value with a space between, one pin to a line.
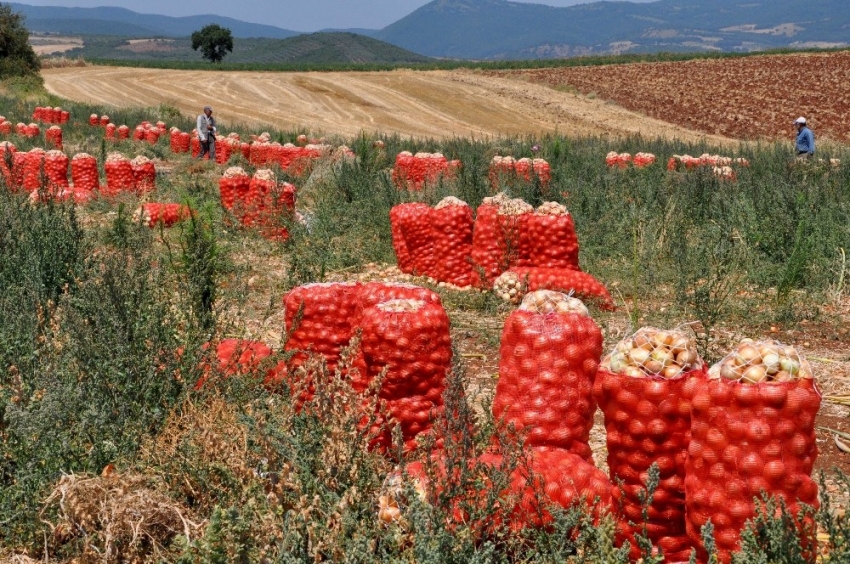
pixel 16 55
pixel 214 42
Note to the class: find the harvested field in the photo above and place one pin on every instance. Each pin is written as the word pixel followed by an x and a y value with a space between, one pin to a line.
pixel 747 98
pixel 438 104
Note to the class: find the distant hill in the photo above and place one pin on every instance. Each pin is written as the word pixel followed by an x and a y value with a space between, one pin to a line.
pixel 498 29
pixel 119 21
pixel 314 48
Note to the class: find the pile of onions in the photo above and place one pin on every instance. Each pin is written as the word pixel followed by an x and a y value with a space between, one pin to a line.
pixel 654 352
pixel 755 362
pixel 547 301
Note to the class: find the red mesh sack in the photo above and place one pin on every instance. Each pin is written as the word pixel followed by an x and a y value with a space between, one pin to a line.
pixel 65 117
pixel 403 257
pixel 7 150
pixel 123 132
pixel 245 148
pixel 327 311
pixel 410 340
pixel 110 132
pixel 94 120
pixel 38 113
pixel 153 214
pixel 195 145
pixel 104 120
pixel 32 130
pixel 152 135
pixel 260 153
pixel 84 172
pixel 415 222
pixel 752 432
pixel 174 140
pixel 19 166
pixel 486 253
pixel 548 359
pixel 5 127
pixel 235 357
pixel 233 188
pixel 53 135
pixel 119 174
pixel 30 165
pixel 543 479
pixel 517 281
pixel 222 151
pixel 618 160
pixel 373 293
pixel 21 128
pixel 451 223
pixel 56 170
pixel 548 238
pixel 144 174
pixel 139 133
pixel 643 389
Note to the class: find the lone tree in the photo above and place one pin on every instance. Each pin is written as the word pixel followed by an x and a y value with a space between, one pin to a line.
pixel 214 42
pixel 16 55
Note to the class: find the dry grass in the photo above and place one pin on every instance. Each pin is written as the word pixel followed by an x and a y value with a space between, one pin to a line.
pixel 120 517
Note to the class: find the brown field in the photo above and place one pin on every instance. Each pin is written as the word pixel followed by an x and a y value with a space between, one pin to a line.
pixel 51 44
pixel 747 98
pixel 438 104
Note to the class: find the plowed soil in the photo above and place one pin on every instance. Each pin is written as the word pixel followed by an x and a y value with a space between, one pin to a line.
pixel 754 97
pixel 436 104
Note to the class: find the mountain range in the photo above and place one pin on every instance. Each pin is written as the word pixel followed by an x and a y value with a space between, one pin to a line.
pixel 499 29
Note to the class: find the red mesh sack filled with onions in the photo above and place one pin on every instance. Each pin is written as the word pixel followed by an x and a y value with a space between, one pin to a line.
pixel 512 285
pixel 56 170
pixel 486 251
pixel 233 189
pixel 404 259
pixel 548 359
pixel 110 132
pixel 548 238
pixel 84 173
pixel 119 175
pixel 28 167
pixel 153 214
pixel 643 389
pixel 123 132
pixel 318 320
pixel 451 222
pixel 408 340
pixel 53 135
pixel 538 482
pixel 144 174
pixel 7 150
pixel 414 220
pixel 752 433
pixel 234 357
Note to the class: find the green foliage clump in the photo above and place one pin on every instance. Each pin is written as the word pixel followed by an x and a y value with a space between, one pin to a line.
pixel 214 42
pixel 17 58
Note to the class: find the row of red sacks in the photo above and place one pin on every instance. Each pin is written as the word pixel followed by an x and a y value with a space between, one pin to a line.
pixel 409 345
pixel 444 243
pixel 623 160
pixel 122 174
pixel 258 201
pixel 415 172
pixel 504 171
pixel 51 115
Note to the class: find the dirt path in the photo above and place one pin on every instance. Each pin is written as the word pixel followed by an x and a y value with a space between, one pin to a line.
pixel 438 104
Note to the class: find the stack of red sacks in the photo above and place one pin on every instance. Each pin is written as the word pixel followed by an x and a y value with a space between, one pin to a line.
pixel 415 172
pixel 259 201
pixel 506 171
pixel 50 115
pixel 435 242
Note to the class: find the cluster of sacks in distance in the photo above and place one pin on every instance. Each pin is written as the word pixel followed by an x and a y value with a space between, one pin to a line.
pixel 45 174
pixel 720 166
pixel 509 246
pixel 504 171
pixel 623 160
pixel 415 172
pixel 718 442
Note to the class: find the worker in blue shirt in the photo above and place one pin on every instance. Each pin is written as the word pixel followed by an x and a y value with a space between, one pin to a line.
pixel 805 139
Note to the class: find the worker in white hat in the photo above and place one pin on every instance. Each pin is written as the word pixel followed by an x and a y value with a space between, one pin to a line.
pixel 206 133
pixel 805 139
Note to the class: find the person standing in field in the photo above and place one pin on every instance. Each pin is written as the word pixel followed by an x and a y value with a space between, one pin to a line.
pixel 206 133
pixel 805 144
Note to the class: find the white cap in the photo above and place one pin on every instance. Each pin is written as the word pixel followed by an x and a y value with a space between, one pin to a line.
pixel 800 120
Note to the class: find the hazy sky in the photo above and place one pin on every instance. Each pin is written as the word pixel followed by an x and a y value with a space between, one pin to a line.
pixel 298 15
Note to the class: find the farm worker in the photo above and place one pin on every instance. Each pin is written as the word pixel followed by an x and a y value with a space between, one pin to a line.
pixel 206 133
pixel 805 139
